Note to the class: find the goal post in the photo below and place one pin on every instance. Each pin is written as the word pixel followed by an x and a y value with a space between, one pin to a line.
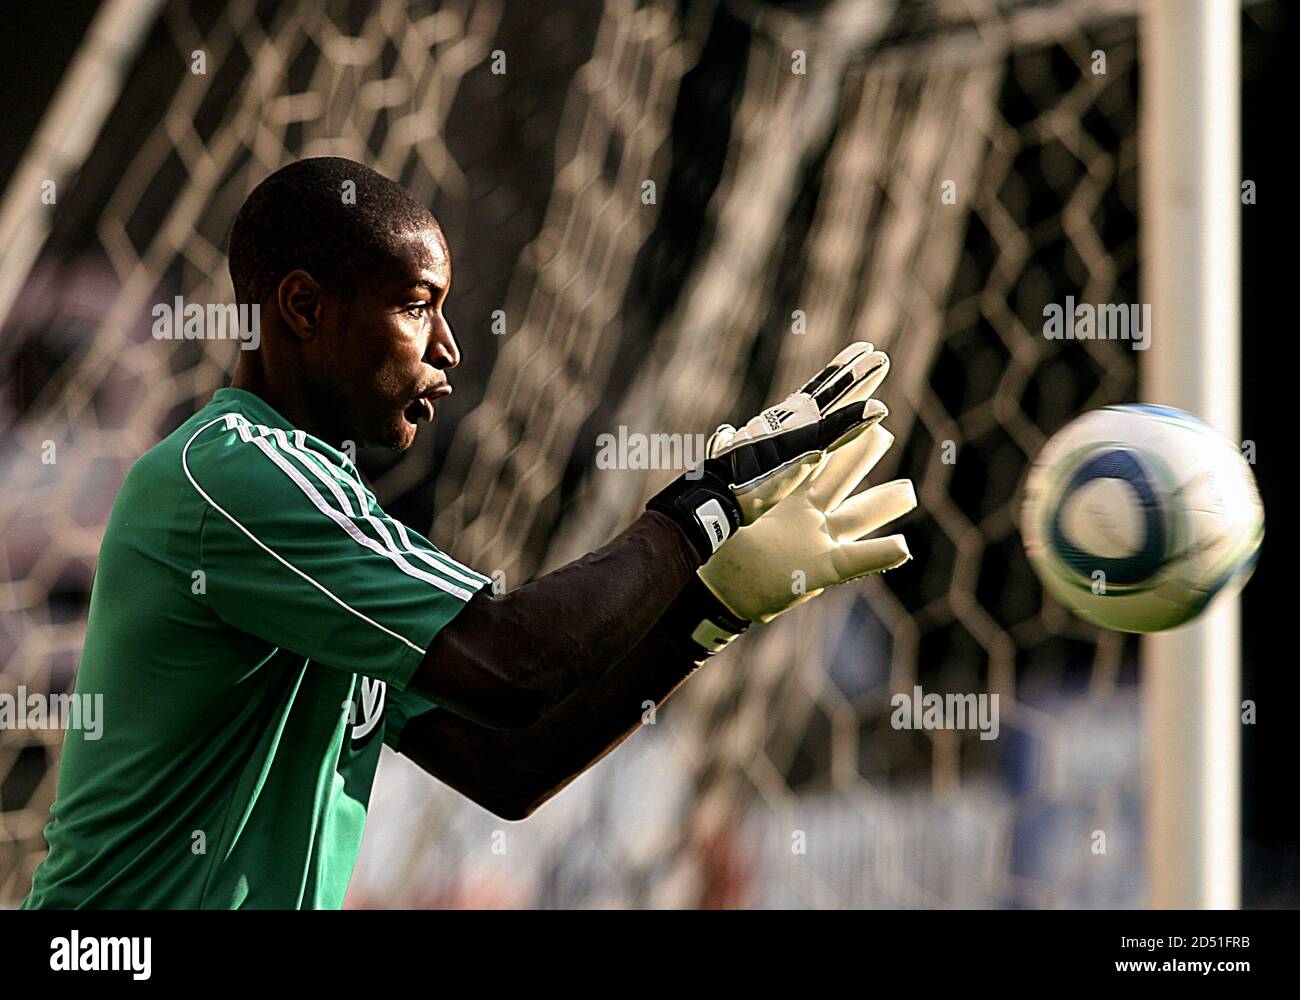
pixel 1191 253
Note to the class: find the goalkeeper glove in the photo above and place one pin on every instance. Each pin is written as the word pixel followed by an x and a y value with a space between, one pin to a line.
pixel 748 471
pixel 811 540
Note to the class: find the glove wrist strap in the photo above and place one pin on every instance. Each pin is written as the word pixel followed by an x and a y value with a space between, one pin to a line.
pixel 700 618
pixel 703 504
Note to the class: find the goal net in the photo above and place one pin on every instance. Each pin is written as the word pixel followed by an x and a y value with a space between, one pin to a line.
pixel 661 214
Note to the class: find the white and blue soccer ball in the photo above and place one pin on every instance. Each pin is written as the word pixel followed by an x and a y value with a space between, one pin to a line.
pixel 1135 517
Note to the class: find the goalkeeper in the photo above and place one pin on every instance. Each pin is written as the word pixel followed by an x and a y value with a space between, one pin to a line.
pixel 259 627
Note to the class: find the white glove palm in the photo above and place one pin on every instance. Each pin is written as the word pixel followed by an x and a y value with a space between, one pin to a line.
pixel 814 537
pixel 747 471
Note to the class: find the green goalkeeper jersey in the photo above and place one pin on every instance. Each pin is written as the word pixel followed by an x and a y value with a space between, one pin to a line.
pixel 254 621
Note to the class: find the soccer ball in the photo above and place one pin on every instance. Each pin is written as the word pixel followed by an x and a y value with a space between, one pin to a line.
pixel 1136 516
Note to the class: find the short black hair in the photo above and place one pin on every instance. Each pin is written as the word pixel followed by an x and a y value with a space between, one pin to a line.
pixel 298 217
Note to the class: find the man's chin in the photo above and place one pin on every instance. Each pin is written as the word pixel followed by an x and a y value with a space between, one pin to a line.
pixel 399 439
pixel 402 435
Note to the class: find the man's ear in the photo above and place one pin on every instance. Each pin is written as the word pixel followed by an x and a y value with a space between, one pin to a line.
pixel 299 299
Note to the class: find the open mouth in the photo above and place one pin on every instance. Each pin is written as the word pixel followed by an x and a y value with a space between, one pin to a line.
pixel 421 409
pixel 423 406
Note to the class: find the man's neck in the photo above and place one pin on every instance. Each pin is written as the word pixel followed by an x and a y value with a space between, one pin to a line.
pixel 289 401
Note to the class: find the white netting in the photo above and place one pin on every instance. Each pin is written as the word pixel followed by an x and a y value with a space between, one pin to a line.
pixel 775 777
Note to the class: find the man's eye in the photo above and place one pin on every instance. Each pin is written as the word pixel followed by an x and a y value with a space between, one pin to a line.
pixel 416 307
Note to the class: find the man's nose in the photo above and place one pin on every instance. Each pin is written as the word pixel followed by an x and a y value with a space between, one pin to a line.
pixel 443 351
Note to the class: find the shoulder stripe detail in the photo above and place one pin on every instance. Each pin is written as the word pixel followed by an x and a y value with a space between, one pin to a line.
pixel 331 476
pixel 282 439
pixel 323 468
pixel 440 559
pixel 275 555
pixel 433 559
pixel 349 526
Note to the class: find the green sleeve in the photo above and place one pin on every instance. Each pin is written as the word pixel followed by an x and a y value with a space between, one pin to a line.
pixel 295 550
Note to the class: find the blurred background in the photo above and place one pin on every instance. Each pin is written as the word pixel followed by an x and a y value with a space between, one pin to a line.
pixel 660 218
